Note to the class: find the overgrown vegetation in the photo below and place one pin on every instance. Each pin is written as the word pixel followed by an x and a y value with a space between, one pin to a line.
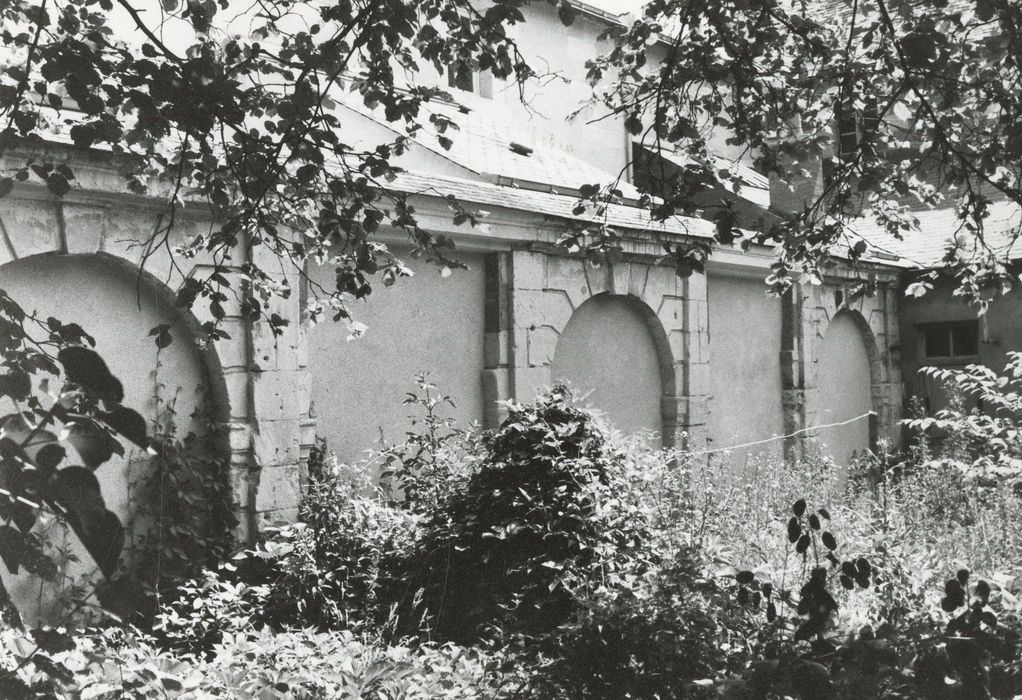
pixel 559 561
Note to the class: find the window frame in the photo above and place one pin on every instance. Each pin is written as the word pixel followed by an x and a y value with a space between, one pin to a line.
pixel 948 327
pixel 482 81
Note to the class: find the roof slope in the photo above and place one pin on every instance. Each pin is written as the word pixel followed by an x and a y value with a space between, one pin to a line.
pixel 938 231
pixel 547 203
pixel 483 141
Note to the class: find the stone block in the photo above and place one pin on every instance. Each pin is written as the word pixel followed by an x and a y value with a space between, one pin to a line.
pixel 661 281
pixel 276 518
pixel 303 341
pixel 637 281
pixel 698 378
pixel 547 308
pixel 598 277
pixel 276 442
pixel 84 227
pixel 238 393
pixel 308 437
pixel 279 488
pixel 276 352
pixel 568 274
pixel 542 345
pixel 32 226
pixel 671 313
pixel 495 349
pixel 698 350
pixel 244 482
pixel 529 270
pixel 496 388
pixel 239 437
pixel 677 340
pixel 620 278
pixel 280 394
pixel 233 353
pixel 698 313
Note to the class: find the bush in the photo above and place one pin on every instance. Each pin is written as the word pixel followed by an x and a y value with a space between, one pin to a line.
pixel 334 569
pixel 247 663
pixel 587 565
pixel 508 551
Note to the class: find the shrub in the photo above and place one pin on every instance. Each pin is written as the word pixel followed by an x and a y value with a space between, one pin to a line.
pixel 114 664
pixel 501 552
pixel 336 567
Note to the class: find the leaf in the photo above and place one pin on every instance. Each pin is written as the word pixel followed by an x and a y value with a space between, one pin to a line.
pixel 103 537
pixel 799 507
pixel 58 184
pixel 126 598
pixel 162 334
pixel 566 13
pixel 53 641
pixel 829 541
pixel 77 490
pixel 40 447
pixel 745 577
pixel 794 530
pixel 814 521
pixel 92 442
pixel 12 547
pixel 127 423
pixel 13 688
pixel 803 544
pixel 87 369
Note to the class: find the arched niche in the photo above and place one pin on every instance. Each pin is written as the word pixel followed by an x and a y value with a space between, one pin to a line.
pixel 611 352
pixel 844 384
pixel 117 306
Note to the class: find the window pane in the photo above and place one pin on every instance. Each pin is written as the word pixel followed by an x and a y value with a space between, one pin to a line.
pixel 460 76
pixel 938 341
pixel 965 339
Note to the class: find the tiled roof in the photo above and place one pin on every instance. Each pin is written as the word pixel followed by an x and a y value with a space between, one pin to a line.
pixel 755 186
pixel 937 231
pixel 482 144
pixel 475 192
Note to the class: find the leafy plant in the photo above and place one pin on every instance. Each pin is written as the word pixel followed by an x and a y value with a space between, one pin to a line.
pixel 501 550
pixel 984 442
pixel 183 510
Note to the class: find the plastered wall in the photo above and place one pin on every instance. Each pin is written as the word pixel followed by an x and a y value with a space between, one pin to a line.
pixel 843 387
pixel 426 323
pixel 608 356
pixel 745 377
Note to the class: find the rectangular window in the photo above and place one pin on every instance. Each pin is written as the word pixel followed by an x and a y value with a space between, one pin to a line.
pixel 951 341
pixel 460 77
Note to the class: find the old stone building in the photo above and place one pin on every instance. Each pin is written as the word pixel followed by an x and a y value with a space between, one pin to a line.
pixel 709 361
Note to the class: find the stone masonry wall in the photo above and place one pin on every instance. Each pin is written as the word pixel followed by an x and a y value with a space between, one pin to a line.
pixel 259 384
pixel 807 311
pixel 533 291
